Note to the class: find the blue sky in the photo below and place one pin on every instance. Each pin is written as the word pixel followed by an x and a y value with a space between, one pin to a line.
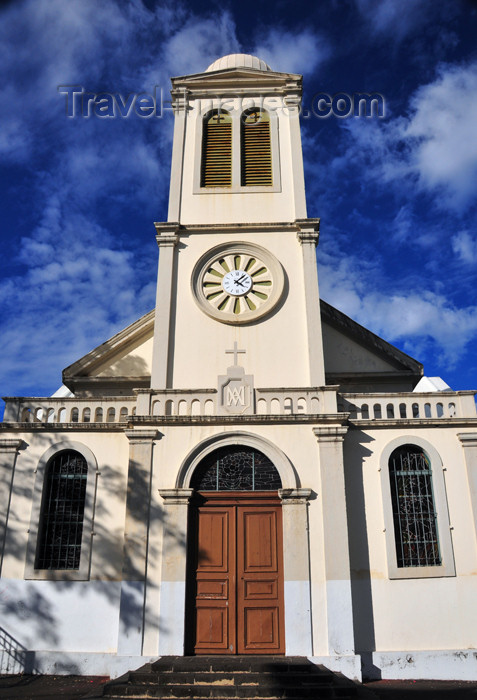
pixel 396 196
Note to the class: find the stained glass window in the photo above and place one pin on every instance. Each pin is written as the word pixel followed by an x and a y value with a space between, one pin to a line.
pixel 414 513
pixel 236 469
pixel 61 525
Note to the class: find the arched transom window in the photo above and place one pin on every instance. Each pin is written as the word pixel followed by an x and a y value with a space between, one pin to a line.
pixel 236 468
pixel 414 512
pixel 62 512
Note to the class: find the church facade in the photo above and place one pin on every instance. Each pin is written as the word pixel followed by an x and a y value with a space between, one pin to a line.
pixel 243 470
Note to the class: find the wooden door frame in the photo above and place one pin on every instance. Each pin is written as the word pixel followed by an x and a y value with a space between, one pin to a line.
pixel 220 499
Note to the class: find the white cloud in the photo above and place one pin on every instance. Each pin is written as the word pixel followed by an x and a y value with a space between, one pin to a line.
pixel 465 247
pixel 443 127
pixel 434 148
pixel 394 19
pixel 301 52
pixel 194 47
pixel 417 318
pixel 85 277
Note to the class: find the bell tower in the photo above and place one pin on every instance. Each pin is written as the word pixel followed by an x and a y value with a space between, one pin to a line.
pixel 237 266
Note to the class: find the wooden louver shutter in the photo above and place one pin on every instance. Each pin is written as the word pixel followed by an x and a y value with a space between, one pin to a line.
pixel 217 151
pixel 256 149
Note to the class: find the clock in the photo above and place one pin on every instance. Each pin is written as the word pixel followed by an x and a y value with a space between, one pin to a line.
pixel 237 282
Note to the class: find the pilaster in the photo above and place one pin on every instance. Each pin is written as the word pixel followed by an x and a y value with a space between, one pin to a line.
pixel 296 570
pixel 8 456
pixel 136 531
pixel 335 539
pixel 469 443
pixel 308 234
pixel 173 578
pixel 167 240
pixel 180 108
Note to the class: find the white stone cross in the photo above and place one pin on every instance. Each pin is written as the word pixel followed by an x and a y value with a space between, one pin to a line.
pixel 235 352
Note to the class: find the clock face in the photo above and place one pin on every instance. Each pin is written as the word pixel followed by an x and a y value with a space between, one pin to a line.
pixel 237 283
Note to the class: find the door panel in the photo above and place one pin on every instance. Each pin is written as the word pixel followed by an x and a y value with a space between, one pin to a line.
pixel 238 595
pixel 215 579
pixel 260 584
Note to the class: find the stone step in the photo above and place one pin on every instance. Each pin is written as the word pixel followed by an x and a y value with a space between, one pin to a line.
pixel 229 692
pixel 235 678
pixel 259 664
pixel 232 678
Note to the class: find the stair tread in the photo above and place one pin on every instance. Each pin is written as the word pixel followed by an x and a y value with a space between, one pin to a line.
pixel 232 678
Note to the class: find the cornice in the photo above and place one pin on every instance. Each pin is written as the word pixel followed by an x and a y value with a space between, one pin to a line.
pixel 468 439
pixel 141 436
pixel 11 445
pixel 249 419
pixel 413 423
pixel 63 427
pixel 330 433
pixel 305 226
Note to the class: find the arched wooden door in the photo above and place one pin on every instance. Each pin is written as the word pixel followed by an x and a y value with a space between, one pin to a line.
pixel 235 601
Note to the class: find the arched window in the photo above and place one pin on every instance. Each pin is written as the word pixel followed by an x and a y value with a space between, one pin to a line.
pixel 414 512
pixel 62 512
pixel 256 151
pixel 216 168
pixel 237 468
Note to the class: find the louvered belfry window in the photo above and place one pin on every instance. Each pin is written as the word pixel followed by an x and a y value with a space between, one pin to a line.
pixel 256 149
pixel 217 150
pixel 61 525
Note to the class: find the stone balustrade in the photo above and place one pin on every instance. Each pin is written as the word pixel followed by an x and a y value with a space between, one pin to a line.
pixel 409 406
pixel 169 402
pixel 272 402
pixel 277 402
pixel 203 402
pixel 114 409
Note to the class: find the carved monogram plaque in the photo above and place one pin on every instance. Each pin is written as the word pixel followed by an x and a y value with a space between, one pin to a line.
pixel 235 391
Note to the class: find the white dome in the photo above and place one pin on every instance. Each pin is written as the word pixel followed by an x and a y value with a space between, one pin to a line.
pixel 238 60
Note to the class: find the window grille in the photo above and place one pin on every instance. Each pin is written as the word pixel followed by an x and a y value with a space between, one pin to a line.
pixel 236 469
pixel 61 524
pixel 256 153
pixel 217 151
pixel 414 513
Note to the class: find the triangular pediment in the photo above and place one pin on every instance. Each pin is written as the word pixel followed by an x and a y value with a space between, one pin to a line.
pixel 236 79
pixel 359 360
pixel 117 366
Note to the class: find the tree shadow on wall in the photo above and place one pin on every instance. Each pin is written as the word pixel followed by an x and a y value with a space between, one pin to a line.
pixel 32 611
